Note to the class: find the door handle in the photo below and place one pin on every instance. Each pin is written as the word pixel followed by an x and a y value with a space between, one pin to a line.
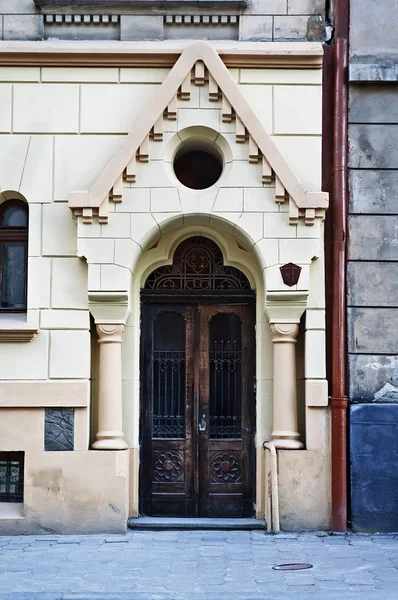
pixel 202 424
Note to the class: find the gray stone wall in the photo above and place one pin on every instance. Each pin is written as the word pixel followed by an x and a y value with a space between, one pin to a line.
pixel 20 19
pixel 372 270
pixel 255 20
pixel 374 467
pixel 373 30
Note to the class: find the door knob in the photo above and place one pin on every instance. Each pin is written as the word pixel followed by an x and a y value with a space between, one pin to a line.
pixel 202 424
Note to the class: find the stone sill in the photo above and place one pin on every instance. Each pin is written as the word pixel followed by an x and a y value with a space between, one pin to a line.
pixel 14 328
pixel 129 7
pixel 17 335
pixel 11 510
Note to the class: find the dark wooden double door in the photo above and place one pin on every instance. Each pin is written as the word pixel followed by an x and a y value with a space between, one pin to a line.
pixel 197 410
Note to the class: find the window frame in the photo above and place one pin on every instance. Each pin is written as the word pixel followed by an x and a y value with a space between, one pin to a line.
pixel 8 458
pixel 14 234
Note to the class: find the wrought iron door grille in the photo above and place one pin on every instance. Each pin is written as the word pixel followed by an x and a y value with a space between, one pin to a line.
pixel 11 476
pixel 225 390
pixel 168 394
pixel 198 265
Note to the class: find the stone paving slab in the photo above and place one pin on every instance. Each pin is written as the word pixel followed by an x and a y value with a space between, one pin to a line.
pixel 198 565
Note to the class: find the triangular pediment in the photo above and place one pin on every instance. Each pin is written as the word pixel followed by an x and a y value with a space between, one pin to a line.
pixel 199 64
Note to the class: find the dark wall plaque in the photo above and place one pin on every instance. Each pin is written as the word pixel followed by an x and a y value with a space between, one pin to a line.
pixel 59 425
pixel 290 274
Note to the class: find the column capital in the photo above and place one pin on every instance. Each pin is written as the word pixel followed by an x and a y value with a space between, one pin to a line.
pixel 109 307
pixel 285 307
pixel 284 332
pixel 109 333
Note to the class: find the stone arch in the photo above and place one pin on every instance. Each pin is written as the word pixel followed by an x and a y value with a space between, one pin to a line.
pixel 12 195
pixel 159 251
pixel 160 248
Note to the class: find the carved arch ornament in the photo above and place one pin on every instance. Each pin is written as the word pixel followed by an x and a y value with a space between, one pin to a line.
pixel 199 64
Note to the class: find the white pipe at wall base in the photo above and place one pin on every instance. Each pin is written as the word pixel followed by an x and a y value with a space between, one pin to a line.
pixel 273 514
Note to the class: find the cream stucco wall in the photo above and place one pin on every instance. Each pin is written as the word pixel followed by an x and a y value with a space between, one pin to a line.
pixel 59 127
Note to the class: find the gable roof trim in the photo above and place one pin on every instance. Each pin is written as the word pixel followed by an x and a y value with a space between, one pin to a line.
pixel 195 59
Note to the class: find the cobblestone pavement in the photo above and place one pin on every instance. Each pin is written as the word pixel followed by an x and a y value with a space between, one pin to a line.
pixel 198 565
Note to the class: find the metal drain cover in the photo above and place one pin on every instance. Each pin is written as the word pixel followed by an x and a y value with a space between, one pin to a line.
pixel 292 567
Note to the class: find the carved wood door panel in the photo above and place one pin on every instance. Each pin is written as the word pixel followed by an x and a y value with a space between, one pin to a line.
pixel 226 338
pixel 167 411
pixel 197 371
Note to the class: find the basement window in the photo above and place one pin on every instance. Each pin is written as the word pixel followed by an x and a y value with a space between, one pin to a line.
pixel 11 476
pixel 198 165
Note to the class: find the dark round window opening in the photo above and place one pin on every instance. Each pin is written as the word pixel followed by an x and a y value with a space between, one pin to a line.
pixel 198 165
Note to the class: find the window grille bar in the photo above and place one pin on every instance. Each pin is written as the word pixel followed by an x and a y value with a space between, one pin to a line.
pixel 11 476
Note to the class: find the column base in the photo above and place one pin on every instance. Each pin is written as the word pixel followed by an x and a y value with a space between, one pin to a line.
pixel 111 440
pixel 282 444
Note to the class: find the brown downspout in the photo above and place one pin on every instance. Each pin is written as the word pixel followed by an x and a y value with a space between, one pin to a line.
pixel 340 202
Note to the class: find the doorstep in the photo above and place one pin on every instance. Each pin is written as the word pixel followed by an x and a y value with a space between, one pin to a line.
pixel 194 523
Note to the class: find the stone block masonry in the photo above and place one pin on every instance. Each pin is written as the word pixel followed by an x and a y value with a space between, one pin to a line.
pixel 372 273
pixel 374 467
pixel 260 20
pixel 23 27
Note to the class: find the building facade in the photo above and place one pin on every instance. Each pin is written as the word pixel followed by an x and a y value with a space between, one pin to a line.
pixel 164 179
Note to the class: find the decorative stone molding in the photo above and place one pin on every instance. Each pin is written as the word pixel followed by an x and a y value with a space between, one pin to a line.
pixel 290 55
pixel 285 307
pixel 284 333
pixel 109 307
pixel 18 327
pixel 201 19
pixel 81 19
pixel 131 7
pixel 17 335
pixel 285 431
pixel 110 333
pixel 201 65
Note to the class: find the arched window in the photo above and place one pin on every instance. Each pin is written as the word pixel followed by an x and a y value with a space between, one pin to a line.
pixel 13 255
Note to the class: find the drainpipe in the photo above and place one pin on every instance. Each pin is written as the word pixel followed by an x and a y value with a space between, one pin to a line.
pixel 273 525
pixel 339 237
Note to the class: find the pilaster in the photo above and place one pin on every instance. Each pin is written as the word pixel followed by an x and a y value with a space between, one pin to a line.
pixel 110 311
pixel 285 431
pixel 110 421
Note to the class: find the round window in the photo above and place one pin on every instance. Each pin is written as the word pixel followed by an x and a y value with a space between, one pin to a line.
pixel 198 165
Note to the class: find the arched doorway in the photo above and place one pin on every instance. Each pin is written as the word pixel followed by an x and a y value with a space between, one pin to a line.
pixel 197 387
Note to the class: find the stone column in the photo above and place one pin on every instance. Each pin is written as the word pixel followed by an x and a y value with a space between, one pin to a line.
pixel 285 434
pixel 110 423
